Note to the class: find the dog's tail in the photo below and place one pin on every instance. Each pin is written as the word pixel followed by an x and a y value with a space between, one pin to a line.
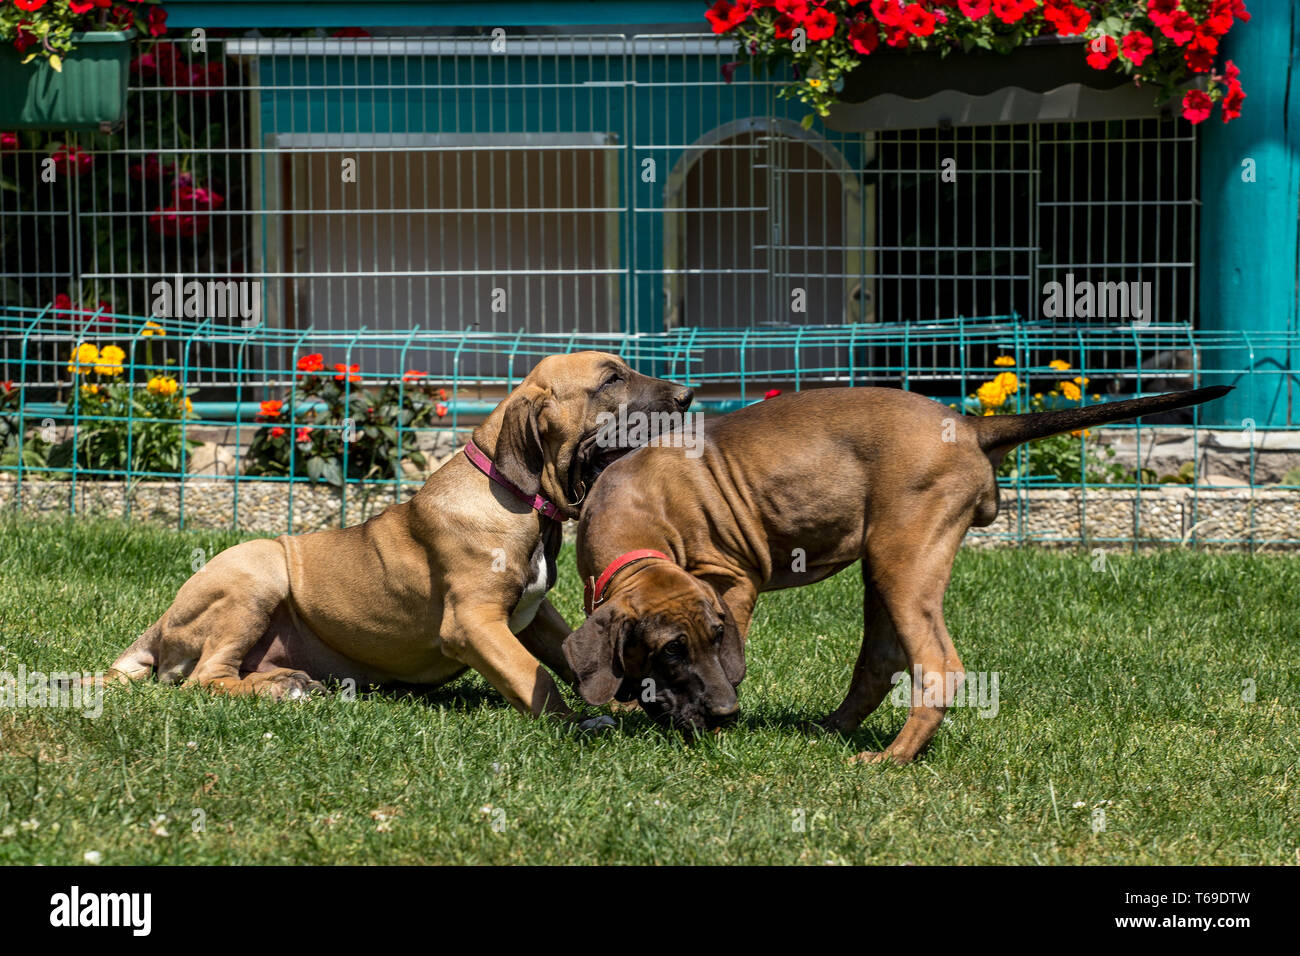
pixel 998 434
pixel 139 660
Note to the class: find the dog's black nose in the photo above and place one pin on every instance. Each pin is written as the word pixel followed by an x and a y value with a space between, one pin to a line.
pixel 724 716
pixel 684 398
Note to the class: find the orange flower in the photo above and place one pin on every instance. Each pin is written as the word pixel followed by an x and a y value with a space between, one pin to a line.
pixel 414 375
pixel 312 363
pixel 277 432
pixel 441 409
pixel 348 372
pixel 304 435
pixel 270 409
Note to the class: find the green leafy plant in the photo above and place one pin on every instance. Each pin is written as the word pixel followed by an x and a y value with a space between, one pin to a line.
pixel 123 428
pixel 43 29
pixel 1065 458
pixel 306 434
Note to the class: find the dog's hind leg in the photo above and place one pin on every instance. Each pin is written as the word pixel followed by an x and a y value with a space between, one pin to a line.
pixel 879 660
pixel 219 616
pixel 911 572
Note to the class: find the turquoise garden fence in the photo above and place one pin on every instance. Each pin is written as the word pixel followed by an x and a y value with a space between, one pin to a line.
pixel 79 418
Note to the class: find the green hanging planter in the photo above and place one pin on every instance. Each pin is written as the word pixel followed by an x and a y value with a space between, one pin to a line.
pixel 89 93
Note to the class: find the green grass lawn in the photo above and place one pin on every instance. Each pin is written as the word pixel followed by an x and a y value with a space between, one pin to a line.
pixel 1120 690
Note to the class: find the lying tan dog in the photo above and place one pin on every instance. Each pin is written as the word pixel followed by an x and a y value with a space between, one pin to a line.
pixel 455 577
pixel 675 551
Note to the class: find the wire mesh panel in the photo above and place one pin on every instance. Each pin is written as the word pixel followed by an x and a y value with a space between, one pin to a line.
pixel 436 211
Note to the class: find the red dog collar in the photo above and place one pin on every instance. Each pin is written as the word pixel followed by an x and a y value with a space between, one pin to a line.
pixel 594 588
pixel 539 504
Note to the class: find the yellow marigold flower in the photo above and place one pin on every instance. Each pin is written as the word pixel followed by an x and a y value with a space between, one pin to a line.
pixel 110 360
pixel 1096 397
pixel 162 385
pixel 84 357
pixel 1004 360
pixel 189 407
pixel 991 394
pixel 1071 391
pixel 1082 381
pixel 1038 395
pixel 815 83
pixel 988 411
pixel 1007 381
pixel 1059 364
pixel 152 328
pixel 89 391
pixel 1076 433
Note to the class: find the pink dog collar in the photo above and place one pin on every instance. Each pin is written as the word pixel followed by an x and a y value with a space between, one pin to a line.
pixel 539 504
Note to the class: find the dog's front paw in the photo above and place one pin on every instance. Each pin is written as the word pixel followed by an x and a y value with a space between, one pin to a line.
pixel 877 756
pixel 596 724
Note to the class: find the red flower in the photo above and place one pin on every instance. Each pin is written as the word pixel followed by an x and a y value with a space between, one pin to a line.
pixel 149 169
pixel 1068 19
pixel 1178 26
pixel 1197 106
pixel 771 393
pixel 1232 99
pixel 1136 47
pixel 441 410
pixel 81 6
pixel 312 363
pixel 29 5
pixel 277 432
pixel 72 159
pixel 1239 10
pixel 821 24
pixel 888 12
pixel 23 38
pixel 270 409
pixel 1102 51
pixel 917 20
pixel 303 435
pixel 1012 11
pixel 349 33
pixel 724 16
pixel 414 375
pixel 974 9
pixel 1198 58
pixel 7 386
pixel 157 21
pixel 783 27
pixel 8 142
pixel 864 37
pixel 796 10
pixel 63 302
pixel 728 70
pixel 348 372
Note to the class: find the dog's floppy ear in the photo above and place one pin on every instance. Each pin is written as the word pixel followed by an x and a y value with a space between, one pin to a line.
pixel 731 650
pixel 595 654
pixel 519 453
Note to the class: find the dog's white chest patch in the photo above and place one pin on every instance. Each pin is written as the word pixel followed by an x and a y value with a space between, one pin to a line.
pixel 534 591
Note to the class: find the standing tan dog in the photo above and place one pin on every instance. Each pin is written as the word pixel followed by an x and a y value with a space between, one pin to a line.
pixel 787 492
pixel 455 577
